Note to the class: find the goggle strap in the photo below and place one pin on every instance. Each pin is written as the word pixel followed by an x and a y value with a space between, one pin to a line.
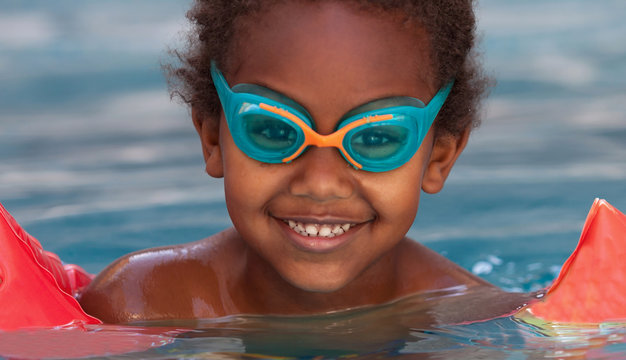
pixel 435 105
pixel 221 85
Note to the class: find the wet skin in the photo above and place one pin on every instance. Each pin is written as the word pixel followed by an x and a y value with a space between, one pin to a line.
pixel 329 58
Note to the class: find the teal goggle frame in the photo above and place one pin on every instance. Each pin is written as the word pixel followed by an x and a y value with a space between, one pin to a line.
pixel 379 136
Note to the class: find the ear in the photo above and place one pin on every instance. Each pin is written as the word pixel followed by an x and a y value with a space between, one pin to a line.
pixel 208 129
pixel 443 156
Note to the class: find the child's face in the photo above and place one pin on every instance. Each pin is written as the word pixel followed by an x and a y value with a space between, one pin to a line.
pixel 329 58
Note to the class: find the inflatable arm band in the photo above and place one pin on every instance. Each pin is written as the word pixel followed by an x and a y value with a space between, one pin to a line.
pixel 36 290
pixel 591 287
pixel 36 295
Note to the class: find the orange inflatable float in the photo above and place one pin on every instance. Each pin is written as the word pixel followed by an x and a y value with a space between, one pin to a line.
pixel 37 294
pixel 591 287
pixel 27 274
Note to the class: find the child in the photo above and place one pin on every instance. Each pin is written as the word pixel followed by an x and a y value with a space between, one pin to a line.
pixel 319 220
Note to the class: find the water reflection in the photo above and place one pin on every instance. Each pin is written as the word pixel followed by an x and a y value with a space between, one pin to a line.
pixel 422 326
pixel 415 324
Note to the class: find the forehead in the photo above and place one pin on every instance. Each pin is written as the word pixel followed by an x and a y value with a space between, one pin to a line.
pixel 332 55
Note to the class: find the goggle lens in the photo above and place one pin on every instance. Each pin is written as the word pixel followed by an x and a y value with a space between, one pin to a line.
pixel 378 143
pixel 269 133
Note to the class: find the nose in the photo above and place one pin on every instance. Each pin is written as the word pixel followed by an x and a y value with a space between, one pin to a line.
pixel 322 175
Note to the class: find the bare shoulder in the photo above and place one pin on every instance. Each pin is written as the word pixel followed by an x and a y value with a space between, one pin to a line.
pixel 431 270
pixel 181 281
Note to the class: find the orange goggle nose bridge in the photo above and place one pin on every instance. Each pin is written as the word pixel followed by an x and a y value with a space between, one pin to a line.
pixel 331 140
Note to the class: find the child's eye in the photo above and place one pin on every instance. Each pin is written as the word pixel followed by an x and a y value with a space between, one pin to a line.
pixel 379 142
pixel 277 132
pixel 374 138
pixel 270 133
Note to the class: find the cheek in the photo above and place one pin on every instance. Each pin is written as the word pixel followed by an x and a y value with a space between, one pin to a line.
pixel 248 184
pixel 240 192
pixel 395 195
pixel 397 201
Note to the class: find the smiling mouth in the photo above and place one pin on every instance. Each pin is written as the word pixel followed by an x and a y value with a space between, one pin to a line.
pixel 318 230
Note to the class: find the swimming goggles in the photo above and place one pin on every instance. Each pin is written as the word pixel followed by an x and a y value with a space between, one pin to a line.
pixel 379 136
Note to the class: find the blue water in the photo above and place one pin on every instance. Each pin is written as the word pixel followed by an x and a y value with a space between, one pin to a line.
pixel 95 161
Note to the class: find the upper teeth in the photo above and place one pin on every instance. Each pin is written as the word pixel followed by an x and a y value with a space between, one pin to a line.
pixel 321 230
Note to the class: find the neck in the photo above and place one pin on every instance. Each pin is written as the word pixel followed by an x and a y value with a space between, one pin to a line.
pixel 264 291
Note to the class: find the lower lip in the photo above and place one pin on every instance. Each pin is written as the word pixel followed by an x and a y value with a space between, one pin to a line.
pixel 317 244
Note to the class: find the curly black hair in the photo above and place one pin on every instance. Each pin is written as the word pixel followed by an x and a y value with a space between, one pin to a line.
pixel 450 24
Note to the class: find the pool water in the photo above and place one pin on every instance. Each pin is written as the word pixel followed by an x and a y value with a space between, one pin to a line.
pixel 403 329
pixel 96 162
